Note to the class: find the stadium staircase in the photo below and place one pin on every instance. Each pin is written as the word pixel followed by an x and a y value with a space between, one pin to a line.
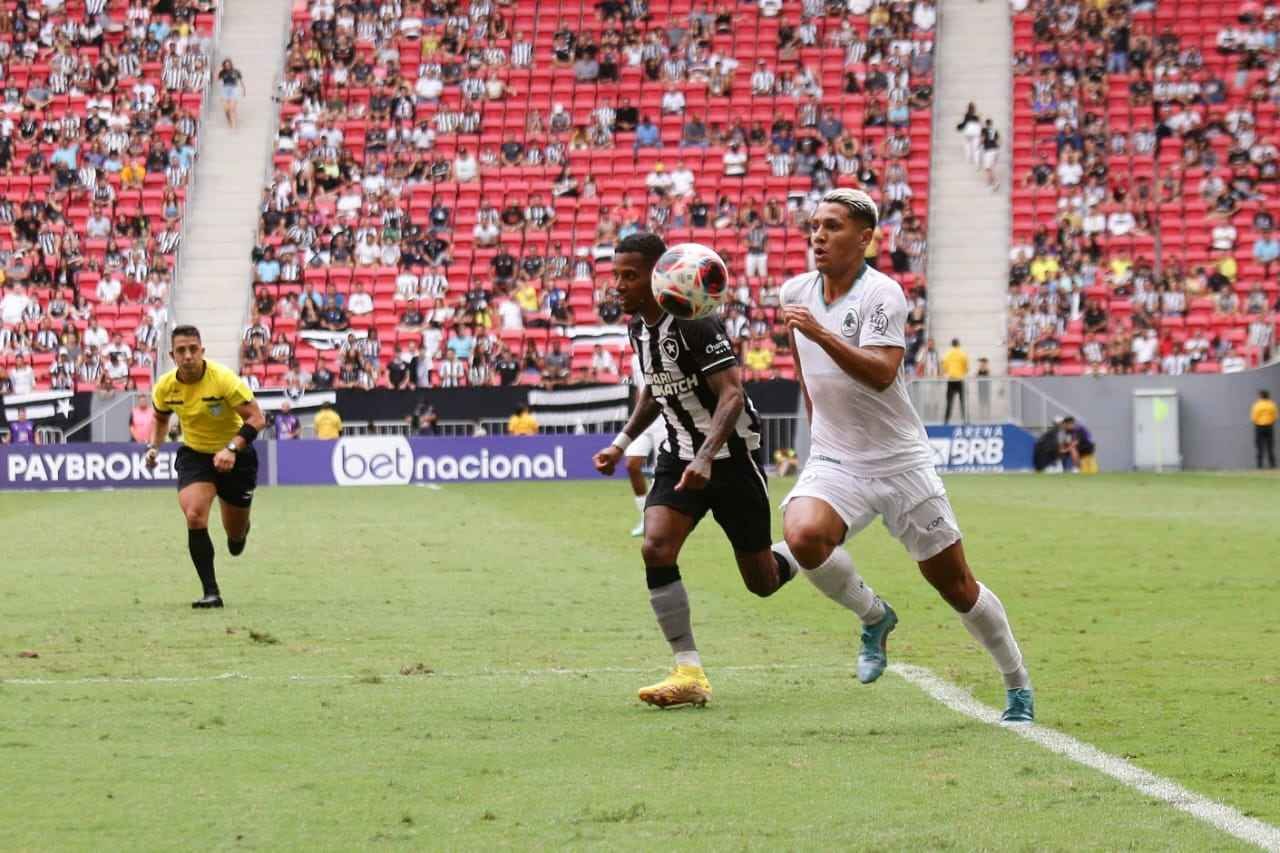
pixel 968 222
pixel 220 233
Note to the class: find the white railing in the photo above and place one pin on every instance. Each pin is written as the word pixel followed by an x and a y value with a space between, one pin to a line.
pixel 986 400
pixel 44 435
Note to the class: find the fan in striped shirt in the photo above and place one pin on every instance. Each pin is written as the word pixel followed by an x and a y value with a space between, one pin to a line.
pixel 781 163
pixel 708 461
pixel 167 240
pixel 90 369
pixel 128 65
pixel 370 347
pixel 521 51
pixel 62 373
pixel 175 175
pixel 146 335
pixel 172 76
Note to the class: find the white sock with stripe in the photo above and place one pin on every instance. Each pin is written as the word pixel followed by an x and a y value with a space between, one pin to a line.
pixel 838 580
pixel 989 625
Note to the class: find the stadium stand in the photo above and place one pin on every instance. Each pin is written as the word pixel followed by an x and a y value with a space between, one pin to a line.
pixel 1145 185
pixel 98 125
pixel 459 165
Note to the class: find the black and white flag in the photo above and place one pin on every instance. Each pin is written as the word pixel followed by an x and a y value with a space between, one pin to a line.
pixel 584 405
pixel 49 408
pixel 322 339
pixel 269 399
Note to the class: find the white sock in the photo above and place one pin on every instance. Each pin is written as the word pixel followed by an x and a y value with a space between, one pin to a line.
pixel 640 499
pixel 839 581
pixel 688 659
pixel 989 625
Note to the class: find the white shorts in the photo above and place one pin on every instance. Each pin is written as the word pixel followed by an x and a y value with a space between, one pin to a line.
pixel 913 504
pixel 989 156
pixel 648 441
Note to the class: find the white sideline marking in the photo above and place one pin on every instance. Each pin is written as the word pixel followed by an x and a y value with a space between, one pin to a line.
pixel 1215 814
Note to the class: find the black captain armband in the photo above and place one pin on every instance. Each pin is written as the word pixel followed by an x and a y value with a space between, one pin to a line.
pixel 248 432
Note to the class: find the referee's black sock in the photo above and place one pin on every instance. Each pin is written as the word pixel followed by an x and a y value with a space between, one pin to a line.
pixel 201 548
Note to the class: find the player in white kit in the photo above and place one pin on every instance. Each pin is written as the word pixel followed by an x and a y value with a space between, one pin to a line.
pixel 639 451
pixel 869 453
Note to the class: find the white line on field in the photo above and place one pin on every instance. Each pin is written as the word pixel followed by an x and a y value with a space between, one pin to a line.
pixel 1215 814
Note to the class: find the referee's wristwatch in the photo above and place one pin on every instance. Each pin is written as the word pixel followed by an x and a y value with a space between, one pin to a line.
pixel 231 445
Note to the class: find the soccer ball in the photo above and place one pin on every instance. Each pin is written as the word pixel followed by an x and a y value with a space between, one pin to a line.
pixel 690 281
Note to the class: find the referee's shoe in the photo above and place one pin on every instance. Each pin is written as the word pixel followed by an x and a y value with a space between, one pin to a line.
pixel 207 601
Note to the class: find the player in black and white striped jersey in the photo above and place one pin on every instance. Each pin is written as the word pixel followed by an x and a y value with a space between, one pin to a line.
pixel 677 359
pixel 707 462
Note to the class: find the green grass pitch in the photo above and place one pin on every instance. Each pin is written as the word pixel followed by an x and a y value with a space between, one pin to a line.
pixel 1146 607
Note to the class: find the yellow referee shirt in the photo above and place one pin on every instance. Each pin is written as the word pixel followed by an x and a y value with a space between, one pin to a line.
pixel 206 407
pixel 955 364
pixel 1263 412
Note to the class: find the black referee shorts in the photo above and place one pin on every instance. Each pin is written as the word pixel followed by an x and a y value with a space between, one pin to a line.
pixel 235 487
pixel 737 497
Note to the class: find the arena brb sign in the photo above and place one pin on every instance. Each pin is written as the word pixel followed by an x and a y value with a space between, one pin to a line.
pixel 94 466
pixel 395 461
pixel 987 447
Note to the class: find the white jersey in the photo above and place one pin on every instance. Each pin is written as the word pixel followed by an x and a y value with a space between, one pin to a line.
pixel 872 433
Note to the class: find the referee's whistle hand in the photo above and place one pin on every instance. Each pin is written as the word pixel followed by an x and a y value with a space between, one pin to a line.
pixel 224 460
pixel 150 459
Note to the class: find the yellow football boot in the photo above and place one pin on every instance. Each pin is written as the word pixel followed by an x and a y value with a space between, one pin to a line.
pixel 686 685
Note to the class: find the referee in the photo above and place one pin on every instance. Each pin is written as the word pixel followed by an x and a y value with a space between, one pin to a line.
pixel 220 419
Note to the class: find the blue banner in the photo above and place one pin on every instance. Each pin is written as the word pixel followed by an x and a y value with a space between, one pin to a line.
pixel 83 466
pixel 386 460
pixel 988 448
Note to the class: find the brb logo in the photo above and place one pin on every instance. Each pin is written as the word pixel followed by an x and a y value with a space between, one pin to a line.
pixel 972 448
pixel 372 460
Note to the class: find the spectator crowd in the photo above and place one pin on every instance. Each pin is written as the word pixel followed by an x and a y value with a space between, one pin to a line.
pixel 1144 206
pixel 99 110
pixel 451 177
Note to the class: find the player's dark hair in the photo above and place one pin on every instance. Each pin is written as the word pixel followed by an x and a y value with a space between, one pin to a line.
pixel 1264 394
pixel 646 245
pixel 185 332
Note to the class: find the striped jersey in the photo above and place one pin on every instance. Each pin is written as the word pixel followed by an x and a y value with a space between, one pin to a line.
pixel 676 357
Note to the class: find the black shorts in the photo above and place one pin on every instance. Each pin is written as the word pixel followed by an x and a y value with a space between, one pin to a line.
pixel 235 487
pixel 737 497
